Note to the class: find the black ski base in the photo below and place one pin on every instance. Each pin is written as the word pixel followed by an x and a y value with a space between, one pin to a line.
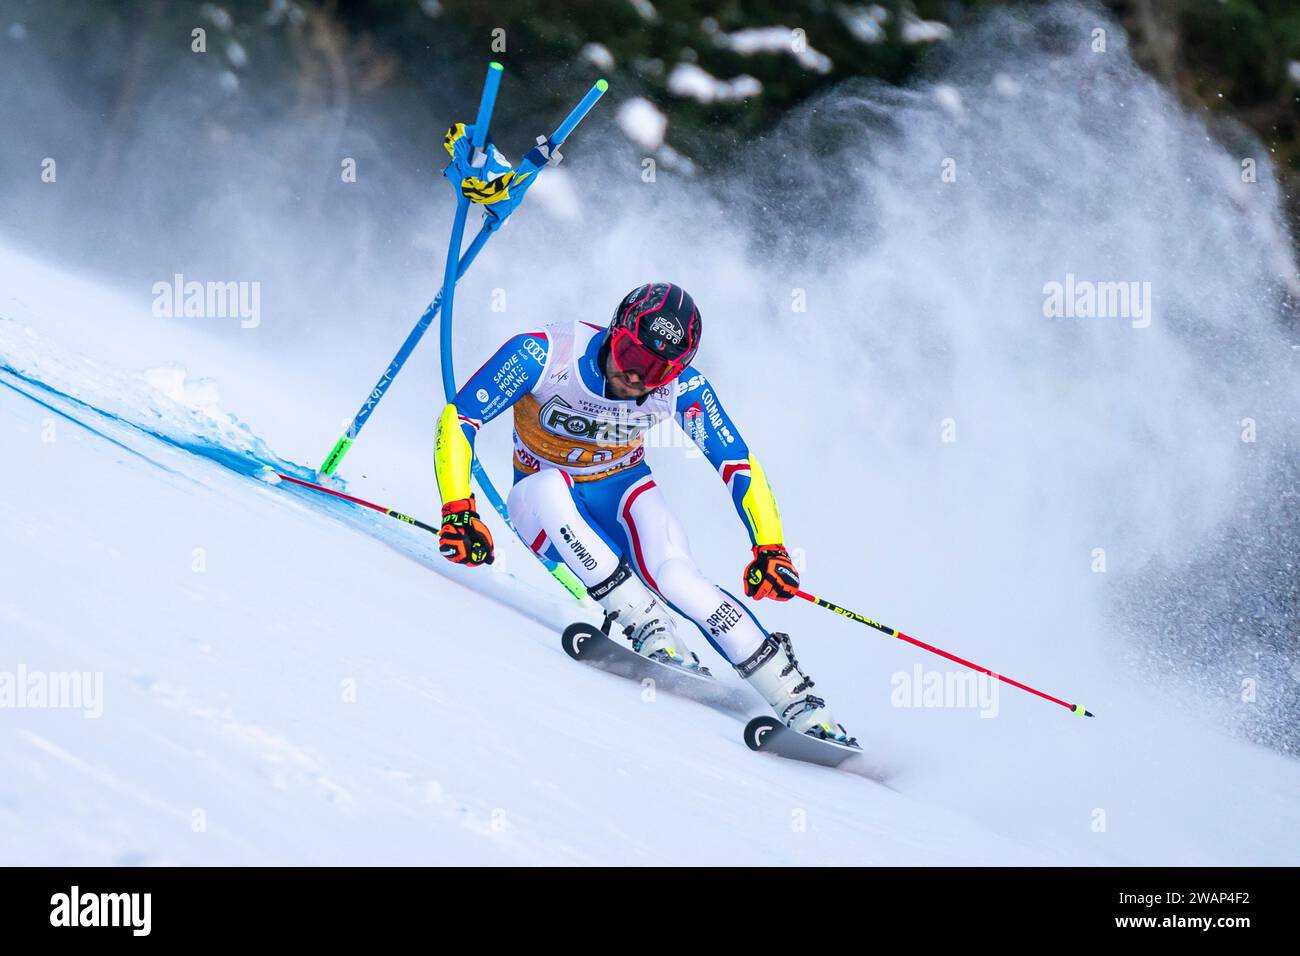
pixel 768 735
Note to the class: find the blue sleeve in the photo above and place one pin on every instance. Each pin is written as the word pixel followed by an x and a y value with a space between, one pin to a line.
pixel 510 374
pixel 702 416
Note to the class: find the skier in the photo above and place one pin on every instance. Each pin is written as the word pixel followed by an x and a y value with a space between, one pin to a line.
pixel 583 398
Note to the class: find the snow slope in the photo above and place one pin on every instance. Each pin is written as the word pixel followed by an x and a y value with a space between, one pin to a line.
pixel 471 738
pixel 318 686
pixel 1071 501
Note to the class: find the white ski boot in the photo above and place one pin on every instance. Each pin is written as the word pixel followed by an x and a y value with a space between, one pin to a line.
pixel 774 673
pixel 639 615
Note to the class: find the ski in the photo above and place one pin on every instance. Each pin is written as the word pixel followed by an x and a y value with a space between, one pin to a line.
pixel 768 735
pixel 589 644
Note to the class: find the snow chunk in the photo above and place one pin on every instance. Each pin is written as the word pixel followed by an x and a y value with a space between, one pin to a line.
pixel 865 24
pixel 1006 85
pixel 642 122
pixel 598 55
pixel 645 9
pixel 283 9
pixel 674 160
pixel 237 55
pixel 689 80
pixel 776 39
pixel 916 30
pixel 1293 70
pixel 201 395
pixel 218 15
pixel 949 98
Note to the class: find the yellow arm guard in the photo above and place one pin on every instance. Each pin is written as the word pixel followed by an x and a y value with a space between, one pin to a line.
pixel 760 507
pixel 452 456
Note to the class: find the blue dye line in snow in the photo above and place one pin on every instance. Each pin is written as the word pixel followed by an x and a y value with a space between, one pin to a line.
pixel 76 421
pixel 242 462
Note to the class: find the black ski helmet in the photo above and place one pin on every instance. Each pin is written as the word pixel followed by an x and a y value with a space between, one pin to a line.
pixel 655 332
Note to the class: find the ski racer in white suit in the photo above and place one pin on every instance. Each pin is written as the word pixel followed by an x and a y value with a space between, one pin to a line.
pixel 583 398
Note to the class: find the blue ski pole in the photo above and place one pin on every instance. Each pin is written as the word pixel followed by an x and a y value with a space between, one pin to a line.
pixel 533 161
pixel 487 101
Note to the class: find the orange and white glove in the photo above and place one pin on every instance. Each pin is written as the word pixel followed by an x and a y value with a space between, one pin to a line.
pixel 771 574
pixel 464 538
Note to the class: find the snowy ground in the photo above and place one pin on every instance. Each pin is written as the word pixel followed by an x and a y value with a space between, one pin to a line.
pixel 289 680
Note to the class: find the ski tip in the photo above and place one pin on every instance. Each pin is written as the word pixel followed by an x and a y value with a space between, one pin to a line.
pixel 575 635
pixel 757 729
pixel 602 84
pixel 494 65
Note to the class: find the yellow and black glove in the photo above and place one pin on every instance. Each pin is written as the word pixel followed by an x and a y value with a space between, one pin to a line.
pixel 464 538
pixel 771 574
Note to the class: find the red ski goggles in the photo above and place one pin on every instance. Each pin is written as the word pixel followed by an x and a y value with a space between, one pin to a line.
pixel 631 356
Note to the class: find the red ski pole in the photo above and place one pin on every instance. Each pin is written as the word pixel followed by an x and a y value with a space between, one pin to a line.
pixel 854 616
pixel 356 501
